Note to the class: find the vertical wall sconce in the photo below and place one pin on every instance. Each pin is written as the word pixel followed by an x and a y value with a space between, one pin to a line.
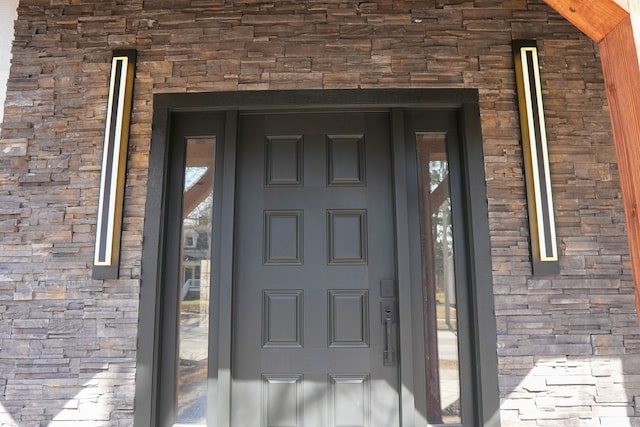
pixel 544 248
pixel 116 137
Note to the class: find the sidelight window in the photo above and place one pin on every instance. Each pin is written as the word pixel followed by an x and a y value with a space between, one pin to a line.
pixel 438 280
pixel 195 264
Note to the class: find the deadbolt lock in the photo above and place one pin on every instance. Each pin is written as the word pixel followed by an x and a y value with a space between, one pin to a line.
pixel 388 310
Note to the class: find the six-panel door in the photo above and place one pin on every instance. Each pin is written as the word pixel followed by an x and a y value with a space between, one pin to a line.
pixel 314 240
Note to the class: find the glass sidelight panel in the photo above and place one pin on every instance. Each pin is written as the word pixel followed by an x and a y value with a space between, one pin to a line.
pixel 194 283
pixel 438 281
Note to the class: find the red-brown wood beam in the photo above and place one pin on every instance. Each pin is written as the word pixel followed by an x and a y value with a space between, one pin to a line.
pixel 622 79
pixel 611 26
pixel 595 18
pixel 198 193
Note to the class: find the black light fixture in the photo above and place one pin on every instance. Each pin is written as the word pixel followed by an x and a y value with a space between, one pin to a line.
pixel 116 137
pixel 544 247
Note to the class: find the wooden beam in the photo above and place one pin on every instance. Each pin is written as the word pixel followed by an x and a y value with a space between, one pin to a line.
pixel 198 193
pixel 613 27
pixel 595 18
pixel 622 79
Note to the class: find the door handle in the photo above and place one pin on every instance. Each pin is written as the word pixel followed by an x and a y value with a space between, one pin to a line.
pixel 388 316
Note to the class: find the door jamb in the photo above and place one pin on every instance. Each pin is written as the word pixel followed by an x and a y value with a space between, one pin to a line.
pixel 403 268
pixel 222 390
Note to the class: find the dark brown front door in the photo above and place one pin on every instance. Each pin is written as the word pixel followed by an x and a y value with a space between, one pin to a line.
pixel 314 322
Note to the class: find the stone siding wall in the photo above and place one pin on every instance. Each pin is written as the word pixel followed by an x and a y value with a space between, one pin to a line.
pixel 568 345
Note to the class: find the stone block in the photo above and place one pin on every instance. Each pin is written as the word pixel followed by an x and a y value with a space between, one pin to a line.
pixel 13 147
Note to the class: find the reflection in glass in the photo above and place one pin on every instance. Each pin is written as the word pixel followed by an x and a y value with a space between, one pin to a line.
pixel 441 331
pixel 195 266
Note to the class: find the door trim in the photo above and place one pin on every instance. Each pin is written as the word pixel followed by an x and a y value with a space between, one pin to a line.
pixel 482 321
pixel 403 266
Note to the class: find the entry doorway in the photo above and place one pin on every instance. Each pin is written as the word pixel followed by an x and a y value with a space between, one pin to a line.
pixel 329 290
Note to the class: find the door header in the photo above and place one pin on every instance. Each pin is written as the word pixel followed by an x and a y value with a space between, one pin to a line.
pixel 316 99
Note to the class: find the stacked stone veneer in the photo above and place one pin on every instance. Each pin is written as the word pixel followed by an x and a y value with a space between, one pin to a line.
pixel 568 345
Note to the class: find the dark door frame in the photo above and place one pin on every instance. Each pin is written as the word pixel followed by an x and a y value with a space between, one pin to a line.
pixel 465 102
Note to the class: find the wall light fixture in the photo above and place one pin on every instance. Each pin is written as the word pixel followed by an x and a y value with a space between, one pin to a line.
pixel 544 247
pixel 116 137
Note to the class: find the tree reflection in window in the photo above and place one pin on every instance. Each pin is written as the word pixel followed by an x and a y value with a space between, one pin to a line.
pixel 194 288
pixel 440 316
